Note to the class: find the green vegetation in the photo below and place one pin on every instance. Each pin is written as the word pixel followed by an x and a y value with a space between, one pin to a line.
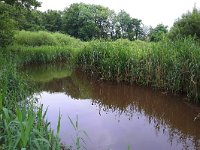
pixel 156 34
pixel 169 65
pixel 48 72
pixel 22 123
pixel 41 38
pixel 7 25
pixel 44 47
pixel 114 52
pixel 187 25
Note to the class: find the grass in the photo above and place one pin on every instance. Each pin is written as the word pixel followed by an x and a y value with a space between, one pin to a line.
pixel 44 47
pixel 168 65
pixel 22 123
pixel 40 38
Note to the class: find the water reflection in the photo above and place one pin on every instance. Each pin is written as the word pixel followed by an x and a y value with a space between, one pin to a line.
pixel 126 115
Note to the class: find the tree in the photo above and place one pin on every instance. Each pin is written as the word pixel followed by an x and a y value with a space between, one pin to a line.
pixel 7 25
pixel 11 15
pixel 135 30
pixel 71 20
pixel 23 3
pixel 28 20
pixel 127 27
pixel 187 25
pixel 52 20
pixel 123 23
pixel 86 21
pixel 156 34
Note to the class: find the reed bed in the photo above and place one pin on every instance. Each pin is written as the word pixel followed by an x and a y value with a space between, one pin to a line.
pixel 168 65
pixel 42 54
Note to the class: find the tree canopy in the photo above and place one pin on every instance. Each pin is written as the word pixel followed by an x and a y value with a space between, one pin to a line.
pixel 88 21
pixel 23 3
pixel 156 34
pixel 187 25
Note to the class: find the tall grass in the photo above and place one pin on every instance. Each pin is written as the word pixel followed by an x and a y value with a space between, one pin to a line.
pixel 169 65
pixel 22 125
pixel 39 38
pixel 44 47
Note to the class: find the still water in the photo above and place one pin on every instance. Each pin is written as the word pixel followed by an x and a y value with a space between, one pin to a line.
pixel 114 116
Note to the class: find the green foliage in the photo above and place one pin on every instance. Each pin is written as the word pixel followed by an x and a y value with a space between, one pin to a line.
pixel 52 20
pixel 128 27
pixel 34 38
pixel 169 65
pixel 157 34
pixel 29 20
pixel 85 21
pixel 41 38
pixel 24 4
pixel 89 22
pixel 42 54
pixel 7 25
pixel 78 139
pixel 22 124
pixel 187 25
pixel 44 47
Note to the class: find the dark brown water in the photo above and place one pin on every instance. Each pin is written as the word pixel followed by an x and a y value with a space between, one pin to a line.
pixel 115 116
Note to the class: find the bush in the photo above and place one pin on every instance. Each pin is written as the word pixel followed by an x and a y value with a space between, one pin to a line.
pixel 187 25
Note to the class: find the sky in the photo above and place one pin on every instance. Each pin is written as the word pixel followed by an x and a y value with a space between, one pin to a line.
pixel 151 12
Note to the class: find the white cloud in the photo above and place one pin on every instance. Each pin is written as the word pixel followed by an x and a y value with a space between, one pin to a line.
pixel 152 12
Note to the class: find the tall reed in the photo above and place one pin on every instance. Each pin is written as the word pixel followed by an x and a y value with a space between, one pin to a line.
pixel 169 65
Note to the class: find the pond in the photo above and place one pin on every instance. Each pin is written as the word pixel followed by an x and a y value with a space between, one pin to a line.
pixel 115 116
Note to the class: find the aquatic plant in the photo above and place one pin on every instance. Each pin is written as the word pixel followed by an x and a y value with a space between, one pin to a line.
pixel 168 65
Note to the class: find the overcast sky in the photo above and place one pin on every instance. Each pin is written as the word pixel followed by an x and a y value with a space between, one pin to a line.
pixel 151 12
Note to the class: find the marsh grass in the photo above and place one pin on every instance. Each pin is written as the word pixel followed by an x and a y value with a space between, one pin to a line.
pixel 168 65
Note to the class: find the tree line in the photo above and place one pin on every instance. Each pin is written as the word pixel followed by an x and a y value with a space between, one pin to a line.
pixel 88 22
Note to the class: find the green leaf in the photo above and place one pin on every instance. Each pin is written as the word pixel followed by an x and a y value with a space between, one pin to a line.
pixel 72 123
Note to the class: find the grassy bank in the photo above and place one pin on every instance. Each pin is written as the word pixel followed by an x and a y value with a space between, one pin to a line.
pixel 22 123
